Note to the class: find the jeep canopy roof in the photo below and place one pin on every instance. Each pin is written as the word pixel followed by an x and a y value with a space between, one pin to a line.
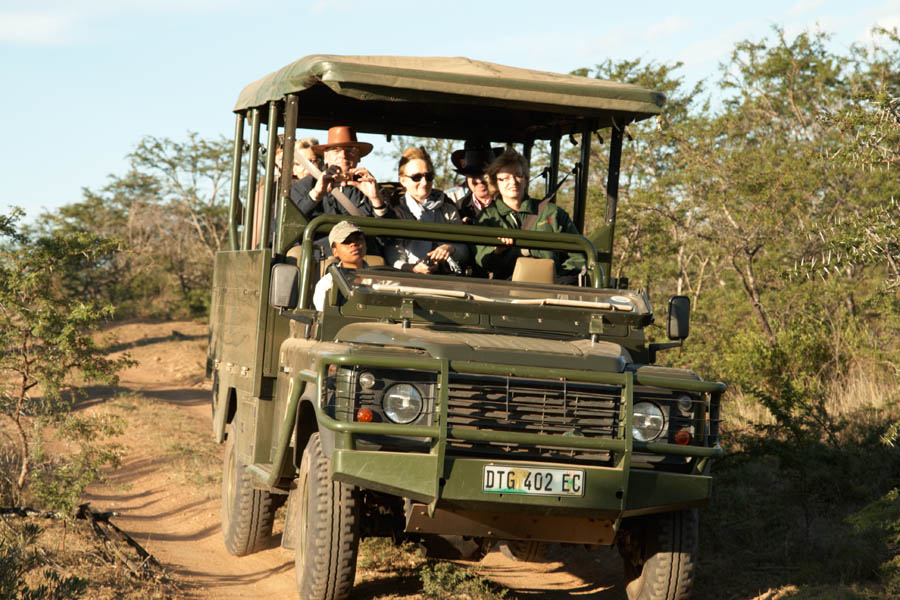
pixel 448 97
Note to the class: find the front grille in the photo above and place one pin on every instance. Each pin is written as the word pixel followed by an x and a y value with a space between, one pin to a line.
pixel 551 407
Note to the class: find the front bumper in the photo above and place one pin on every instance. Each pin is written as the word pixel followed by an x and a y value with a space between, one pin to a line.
pixel 454 483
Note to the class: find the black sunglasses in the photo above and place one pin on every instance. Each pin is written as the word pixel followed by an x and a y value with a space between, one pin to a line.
pixel 418 177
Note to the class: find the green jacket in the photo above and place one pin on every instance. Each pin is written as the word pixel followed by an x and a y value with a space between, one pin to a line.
pixel 551 218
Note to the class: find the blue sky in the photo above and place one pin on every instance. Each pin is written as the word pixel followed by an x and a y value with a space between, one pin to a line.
pixel 84 80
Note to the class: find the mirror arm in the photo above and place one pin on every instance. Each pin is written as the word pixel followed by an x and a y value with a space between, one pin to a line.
pixel 654 348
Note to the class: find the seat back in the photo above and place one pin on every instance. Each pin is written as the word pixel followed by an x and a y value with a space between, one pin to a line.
pixel 533 270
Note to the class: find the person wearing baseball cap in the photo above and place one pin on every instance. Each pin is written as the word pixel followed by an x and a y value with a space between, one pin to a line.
pixel 348 245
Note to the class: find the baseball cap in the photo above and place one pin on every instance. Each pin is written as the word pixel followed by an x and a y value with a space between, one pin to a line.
pixel 340 232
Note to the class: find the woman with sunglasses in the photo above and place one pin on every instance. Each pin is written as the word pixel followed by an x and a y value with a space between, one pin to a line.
pixel 421 202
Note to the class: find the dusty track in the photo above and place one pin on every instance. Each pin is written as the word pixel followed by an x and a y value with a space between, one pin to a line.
pixel 176 516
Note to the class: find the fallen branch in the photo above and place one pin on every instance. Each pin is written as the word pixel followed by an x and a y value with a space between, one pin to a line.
pixel 108 534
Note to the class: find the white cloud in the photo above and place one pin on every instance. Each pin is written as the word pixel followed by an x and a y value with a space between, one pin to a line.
pixel 667 27
pixel 803 7
pixel 35 28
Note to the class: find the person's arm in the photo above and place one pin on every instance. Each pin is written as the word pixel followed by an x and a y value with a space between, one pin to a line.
pixel 495 259
pixel 323 286
pixel 460 250
pixel 568 261
pixel 300 197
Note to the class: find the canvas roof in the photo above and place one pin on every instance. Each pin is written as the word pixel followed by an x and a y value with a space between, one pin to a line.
pixel 448 97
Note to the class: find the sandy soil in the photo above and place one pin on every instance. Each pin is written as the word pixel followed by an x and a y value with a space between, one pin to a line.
pixel 177 518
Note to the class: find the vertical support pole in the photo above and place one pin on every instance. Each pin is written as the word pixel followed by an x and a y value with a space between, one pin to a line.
pixel 251 180
pixel 612 180
pixel 526 152
pixel 291 105
pixel 554 165
pixel 272 128
pixel 235 181
pixel 582 181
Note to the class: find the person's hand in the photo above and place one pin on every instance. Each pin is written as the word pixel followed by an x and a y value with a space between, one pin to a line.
pixel 503 240
pixel 361 179
pixel 326 183
pixel 424 268
pixel 442 252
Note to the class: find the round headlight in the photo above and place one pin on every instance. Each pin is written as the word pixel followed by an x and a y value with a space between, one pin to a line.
pixel 685 403
pixel 366 380
pixel 648 422
pixel 402 403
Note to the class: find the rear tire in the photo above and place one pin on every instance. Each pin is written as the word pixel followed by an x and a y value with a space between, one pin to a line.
pixel 524 551
pixel 247 513
pixel 660 555
pixel 325 557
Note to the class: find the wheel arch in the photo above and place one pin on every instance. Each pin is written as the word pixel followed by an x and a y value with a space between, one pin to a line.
pixel 225 410
pixel 304 427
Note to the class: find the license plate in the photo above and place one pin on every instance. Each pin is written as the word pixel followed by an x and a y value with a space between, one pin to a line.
pixel 500 479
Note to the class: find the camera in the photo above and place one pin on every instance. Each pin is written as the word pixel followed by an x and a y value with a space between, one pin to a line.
pixel 444 267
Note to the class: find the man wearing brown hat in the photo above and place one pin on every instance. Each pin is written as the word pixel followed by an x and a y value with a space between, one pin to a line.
pixel 471 161
pixel 348 245
pixel 342 153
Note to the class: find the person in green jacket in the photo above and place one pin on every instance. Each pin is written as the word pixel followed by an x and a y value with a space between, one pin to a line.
pixel 507 178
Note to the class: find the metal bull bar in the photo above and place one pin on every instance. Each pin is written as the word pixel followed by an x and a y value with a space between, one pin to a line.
pixel 428 488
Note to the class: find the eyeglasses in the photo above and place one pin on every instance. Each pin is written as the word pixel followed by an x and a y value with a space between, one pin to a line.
pixel 429 177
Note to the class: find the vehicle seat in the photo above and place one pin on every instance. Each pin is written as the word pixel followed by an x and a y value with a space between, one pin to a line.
pixel 533 270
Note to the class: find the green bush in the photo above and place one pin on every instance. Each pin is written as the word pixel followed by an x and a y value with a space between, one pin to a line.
pixel 447 581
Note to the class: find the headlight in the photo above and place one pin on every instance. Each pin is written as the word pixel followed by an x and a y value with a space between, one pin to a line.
pixel 402 403
pixel 648 422
pixel 366 380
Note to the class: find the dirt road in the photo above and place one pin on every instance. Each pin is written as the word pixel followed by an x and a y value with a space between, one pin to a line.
pixel 166 492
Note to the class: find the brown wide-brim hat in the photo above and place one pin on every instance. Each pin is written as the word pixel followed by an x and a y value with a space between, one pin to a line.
pixel 343 137
pixel 474 157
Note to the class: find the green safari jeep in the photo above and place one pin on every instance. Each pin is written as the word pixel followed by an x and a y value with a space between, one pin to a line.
pixel 452 410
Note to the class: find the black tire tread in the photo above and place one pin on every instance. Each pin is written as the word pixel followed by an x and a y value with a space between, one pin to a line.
pixel 524 550
pixel 670 556
pixel 247 517
pixel 330 562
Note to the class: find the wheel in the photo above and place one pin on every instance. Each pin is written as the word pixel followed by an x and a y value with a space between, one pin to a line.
pixel 659 557
pixel 247 513
pixel 325 557
pixel 523 551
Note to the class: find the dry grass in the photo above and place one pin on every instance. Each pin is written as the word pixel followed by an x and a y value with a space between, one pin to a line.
pixel 71 550
pixel 867 395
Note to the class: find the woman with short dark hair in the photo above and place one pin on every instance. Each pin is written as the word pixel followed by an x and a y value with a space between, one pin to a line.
pixel 513 208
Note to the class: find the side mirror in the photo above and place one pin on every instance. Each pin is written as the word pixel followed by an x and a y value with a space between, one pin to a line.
pixel 679 317
pixel 284 286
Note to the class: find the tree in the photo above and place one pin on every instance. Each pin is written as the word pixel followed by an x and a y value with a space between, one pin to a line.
pixel 46 333
pixel 170 211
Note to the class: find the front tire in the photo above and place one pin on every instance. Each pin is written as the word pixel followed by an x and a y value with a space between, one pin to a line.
pixel 660 555
pixel 247 513
pixel 325 557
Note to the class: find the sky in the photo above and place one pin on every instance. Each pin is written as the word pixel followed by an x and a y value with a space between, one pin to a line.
pixel 84 80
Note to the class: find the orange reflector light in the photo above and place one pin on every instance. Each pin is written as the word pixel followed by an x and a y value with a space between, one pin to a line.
pixel 364 415
pixel 683 437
